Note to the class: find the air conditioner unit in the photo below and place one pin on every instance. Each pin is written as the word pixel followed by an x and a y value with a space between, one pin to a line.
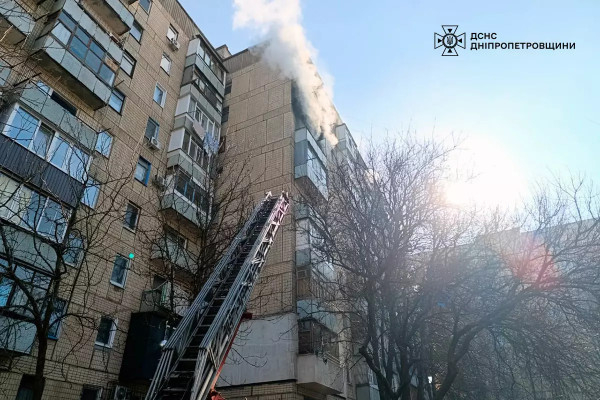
pixel 121 393
pixel 154 143
pixel 174 43
pixel 160 182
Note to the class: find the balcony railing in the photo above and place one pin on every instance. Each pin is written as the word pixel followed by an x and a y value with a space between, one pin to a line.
pixel 114 14
pixel 15 22
pixel 176 255
pixel 76 49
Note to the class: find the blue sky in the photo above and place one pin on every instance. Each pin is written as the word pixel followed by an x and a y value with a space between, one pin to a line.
pixel 539 110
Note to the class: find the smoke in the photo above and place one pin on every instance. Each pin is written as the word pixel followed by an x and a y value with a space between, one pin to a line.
pixel 288 51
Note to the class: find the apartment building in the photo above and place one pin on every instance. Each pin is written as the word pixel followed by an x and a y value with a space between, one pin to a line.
pixel 112 111
pixel 292 348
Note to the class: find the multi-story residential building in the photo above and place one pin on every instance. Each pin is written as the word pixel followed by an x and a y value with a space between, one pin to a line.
pixel 113 110
pixel 292 348
pixel 119 102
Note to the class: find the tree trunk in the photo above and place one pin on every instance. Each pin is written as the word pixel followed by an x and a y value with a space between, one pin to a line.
pixel 38 380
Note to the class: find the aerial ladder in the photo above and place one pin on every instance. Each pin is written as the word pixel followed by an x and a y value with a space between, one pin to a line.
pixel 193 356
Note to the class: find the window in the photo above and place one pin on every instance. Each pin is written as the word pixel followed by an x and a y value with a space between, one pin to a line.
pixel 116 100
pixel 23 127
pixel 209 60
pixel 106 332
pixel 127 63
pixel 74 248
pixel 26 388
pixel 165 63
pixel 91 393
pixel 172 33
pixel 90 193
pixel 61 101
pixel 142 170
pixel 186 186
pixel 12 298
pixel 119 272
pixel 146 4
pixel 175 240
pixel 210 127
pixel 160 95
pixel 195 150
pixel 228 88
pixel 84 47
pixel 225 116
pixel 152 128
pixel 104 143
pixel 206 88
pixel 131 216
pixel 136 31
pixel 32 210
pixel 56 318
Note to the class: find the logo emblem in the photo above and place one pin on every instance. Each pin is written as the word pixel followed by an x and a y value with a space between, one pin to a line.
pixel 450 40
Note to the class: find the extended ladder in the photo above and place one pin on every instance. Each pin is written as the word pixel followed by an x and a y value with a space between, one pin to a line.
pixel 191 358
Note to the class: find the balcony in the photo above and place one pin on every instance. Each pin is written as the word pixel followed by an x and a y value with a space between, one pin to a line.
pixel 89 65
pixel 113 13
pixel 17 336
pixel 39 172
pixel 187 156
pixel 195 52
pixel 159 300
pixel 15 23
pixel 309 163
pixel 177 256
pixel 320 374
pixel 187 204
pixel 39 101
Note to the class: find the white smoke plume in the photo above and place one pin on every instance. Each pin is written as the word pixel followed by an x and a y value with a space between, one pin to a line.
pixel 288 51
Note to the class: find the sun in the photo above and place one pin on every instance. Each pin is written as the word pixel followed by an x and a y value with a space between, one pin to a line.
pixel 484 176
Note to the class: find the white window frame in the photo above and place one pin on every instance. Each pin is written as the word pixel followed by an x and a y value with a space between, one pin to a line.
pixel 164 95
pixel 125 275
pixel 168 60
pixel 130 60
pixel 113 331
pixel 56 135
pixel 174 33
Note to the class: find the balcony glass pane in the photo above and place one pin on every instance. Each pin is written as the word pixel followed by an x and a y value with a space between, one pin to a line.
pixel 61 33
pixel 23 127
pixel 42 141
pixel 93 61
pixel 78 48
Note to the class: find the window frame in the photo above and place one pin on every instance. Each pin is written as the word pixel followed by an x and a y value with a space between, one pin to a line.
pixel 98 390
pixel 158 88
pixel 57 323
pixel 144 8
pixel 101 150
pixel 125 273
pixel 96 184
pixel 73 31
pixel 119 95
pixel 156 130
pixel 174 31
pixel 148 167
pixel 170 62
pixel 131 60
pixel 137 217
pixel 136 27
pixel 113 331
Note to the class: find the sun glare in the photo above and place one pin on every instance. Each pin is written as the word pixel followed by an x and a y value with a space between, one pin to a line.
pixel 485 176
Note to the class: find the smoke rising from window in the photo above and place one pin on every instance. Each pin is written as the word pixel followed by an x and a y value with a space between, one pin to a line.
pixel 287 50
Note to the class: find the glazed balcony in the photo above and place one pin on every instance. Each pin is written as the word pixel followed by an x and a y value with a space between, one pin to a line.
pixel 77 50
pixel 15 22
pixel 114 14
pixel 310 163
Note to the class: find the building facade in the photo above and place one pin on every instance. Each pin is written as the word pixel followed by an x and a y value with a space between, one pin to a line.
pixel 112 115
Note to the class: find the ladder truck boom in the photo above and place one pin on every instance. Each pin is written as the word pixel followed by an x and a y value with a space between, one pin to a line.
pixel 192 357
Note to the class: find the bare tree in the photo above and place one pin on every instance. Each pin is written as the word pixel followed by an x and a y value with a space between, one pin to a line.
pixel 458 303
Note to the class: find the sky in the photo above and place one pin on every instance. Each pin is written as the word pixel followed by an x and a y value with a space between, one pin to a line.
pixel 520 114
